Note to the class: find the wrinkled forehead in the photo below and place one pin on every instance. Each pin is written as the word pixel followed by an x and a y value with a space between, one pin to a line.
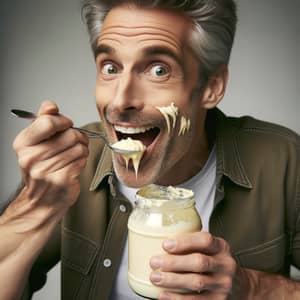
pixel 130 21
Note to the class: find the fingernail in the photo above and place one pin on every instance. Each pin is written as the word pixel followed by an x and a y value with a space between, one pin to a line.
pixel 156 262
pixel 155 277
pixel 169 244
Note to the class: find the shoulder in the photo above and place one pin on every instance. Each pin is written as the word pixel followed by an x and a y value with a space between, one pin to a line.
pixel 263 138
pixel 268 151
pixel 264 151
pixel 247 125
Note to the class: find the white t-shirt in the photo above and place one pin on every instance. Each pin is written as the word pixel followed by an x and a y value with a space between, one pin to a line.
pixel 204 186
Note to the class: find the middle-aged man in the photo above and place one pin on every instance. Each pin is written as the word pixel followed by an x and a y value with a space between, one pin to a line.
pixel 76 196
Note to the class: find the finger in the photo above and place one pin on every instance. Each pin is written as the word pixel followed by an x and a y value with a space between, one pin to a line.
pixel 196 262
pixel 48 107
pixel 59 161
pixel 203 242
pixel 41 129
pixel 191 282
pixel 58 143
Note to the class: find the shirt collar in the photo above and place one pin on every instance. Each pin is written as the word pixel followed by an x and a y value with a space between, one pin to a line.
pixel 229 162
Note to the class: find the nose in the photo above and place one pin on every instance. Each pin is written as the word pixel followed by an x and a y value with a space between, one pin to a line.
pixel 127 94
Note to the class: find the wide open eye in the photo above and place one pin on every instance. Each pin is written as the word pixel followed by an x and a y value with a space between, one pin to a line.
pixel 109 69
pixel 159 70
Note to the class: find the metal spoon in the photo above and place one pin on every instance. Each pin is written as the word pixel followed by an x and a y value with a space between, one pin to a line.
pixel 91 134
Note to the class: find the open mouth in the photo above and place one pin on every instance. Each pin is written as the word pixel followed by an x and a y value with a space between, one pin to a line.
pixel 146 135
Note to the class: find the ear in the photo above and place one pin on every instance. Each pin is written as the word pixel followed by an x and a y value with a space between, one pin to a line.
pixel 215 88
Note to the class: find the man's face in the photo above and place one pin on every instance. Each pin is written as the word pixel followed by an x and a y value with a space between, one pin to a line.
pixel 144 62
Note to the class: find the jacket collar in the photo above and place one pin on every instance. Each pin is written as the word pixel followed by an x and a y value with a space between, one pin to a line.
pixel 104 168
pixel 229 162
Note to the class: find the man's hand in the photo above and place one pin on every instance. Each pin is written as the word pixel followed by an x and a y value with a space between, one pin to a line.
pixel 51 156
pixel 198 262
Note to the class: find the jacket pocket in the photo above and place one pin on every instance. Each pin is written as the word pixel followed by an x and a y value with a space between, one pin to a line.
pixel 266 257
pixel 78 256
pixel 78 253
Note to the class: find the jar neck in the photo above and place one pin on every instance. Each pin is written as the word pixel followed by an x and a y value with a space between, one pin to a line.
pixel 144 203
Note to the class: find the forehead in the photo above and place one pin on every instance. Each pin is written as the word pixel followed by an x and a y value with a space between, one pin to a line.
pixel 145 25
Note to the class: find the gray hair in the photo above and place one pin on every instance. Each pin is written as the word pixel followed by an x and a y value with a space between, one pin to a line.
pixel 211 38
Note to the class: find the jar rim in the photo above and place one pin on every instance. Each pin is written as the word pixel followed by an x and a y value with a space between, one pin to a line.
pixel 157 196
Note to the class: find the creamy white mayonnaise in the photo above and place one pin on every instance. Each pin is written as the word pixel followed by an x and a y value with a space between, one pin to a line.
pixel 185 125
pixel 168 112
pixel 132 145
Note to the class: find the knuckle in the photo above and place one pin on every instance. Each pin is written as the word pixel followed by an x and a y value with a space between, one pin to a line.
pixel 23 162
pixel 197 283
pixel 232 265
pixel 200 263
pixel 226 245
pixel 79 150
pixel 76 168
pixel 37 174
pixel 227 283
pixel 73 136
pixel 46 123
pixel 82 150
pixel 207 238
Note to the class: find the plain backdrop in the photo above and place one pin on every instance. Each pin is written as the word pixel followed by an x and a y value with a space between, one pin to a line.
pixel 45 54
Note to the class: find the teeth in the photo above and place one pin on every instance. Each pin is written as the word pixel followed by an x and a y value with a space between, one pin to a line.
pixel 131 130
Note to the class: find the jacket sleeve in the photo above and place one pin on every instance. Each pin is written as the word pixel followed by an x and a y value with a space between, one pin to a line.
pixel 48 258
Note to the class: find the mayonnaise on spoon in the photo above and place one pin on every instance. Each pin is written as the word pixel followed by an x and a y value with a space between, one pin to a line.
pixel 132 145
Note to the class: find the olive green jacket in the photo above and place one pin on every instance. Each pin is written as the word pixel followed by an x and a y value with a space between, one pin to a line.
pixel 257 209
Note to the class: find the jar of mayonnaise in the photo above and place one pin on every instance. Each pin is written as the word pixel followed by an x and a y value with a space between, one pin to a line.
pixel 160 213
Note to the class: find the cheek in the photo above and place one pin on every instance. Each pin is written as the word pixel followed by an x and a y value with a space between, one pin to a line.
pixel 103 96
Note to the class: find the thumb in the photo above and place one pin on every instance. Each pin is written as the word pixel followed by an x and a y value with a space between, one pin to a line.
pixel 48 107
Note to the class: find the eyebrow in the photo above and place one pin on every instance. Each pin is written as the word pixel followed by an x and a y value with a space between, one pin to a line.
pixel 161 50
pixel 103 49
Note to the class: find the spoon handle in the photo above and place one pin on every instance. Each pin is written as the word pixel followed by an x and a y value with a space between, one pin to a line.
pixel 24 114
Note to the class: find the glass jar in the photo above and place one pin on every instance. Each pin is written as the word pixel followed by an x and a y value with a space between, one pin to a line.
pixel 160 213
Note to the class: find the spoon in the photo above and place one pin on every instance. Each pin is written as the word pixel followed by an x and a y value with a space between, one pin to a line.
pixel 91 134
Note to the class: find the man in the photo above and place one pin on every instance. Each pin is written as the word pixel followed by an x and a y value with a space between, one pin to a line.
pixel 153 57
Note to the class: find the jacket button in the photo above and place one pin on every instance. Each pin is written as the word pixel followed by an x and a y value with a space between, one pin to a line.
pixel 107 263
pixel 123 208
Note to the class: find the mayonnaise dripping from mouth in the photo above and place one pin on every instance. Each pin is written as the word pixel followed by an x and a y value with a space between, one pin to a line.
pixel 133 145
pixel 169 111
pixel 185 125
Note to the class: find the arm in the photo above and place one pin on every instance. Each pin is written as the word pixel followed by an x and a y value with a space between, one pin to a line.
pixel 265 286
pixel 51 156
pixel 202 264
